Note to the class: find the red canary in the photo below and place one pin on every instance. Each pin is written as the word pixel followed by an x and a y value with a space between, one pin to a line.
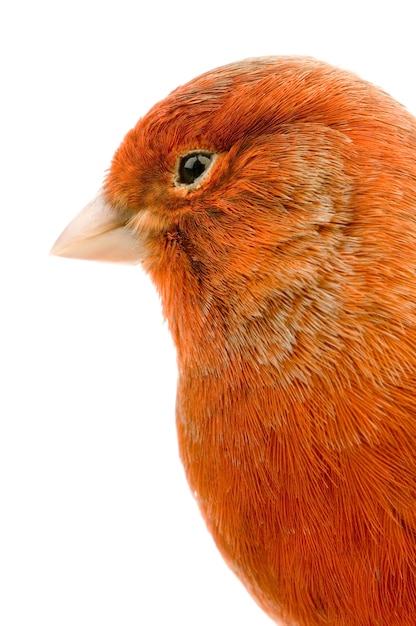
pixel 273 203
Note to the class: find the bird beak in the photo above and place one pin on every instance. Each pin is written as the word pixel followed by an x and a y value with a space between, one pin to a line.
pixel 99 233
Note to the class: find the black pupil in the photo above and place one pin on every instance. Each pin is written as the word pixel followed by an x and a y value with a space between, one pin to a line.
pixel 192 167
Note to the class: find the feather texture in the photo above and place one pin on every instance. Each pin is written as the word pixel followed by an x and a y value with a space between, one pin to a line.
pixel 287 275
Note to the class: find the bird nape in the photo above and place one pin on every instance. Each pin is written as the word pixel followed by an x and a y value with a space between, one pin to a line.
pixel 273 203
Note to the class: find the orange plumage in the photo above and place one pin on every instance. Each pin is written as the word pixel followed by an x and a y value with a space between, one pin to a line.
pixel 273 203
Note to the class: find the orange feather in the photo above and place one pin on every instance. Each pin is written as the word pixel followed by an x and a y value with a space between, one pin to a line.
pixel 273 203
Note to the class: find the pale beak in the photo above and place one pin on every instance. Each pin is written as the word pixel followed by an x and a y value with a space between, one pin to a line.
pixel 99 233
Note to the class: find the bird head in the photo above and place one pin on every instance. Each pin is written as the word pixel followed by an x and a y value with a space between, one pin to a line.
pixel 241 194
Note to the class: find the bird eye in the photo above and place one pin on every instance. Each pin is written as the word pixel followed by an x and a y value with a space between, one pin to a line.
pixel 193 166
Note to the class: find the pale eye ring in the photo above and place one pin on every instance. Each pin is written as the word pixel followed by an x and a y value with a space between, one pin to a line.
pixel 192 167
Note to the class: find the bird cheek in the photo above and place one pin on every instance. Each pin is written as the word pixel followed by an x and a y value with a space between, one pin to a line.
pixel 149 222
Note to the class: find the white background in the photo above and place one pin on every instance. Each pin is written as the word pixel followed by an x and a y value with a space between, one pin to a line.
pixel 96 523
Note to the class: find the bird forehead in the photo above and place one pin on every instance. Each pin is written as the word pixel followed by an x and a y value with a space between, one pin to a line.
pixel 245 98
pixel 248 99
pixel 192 107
